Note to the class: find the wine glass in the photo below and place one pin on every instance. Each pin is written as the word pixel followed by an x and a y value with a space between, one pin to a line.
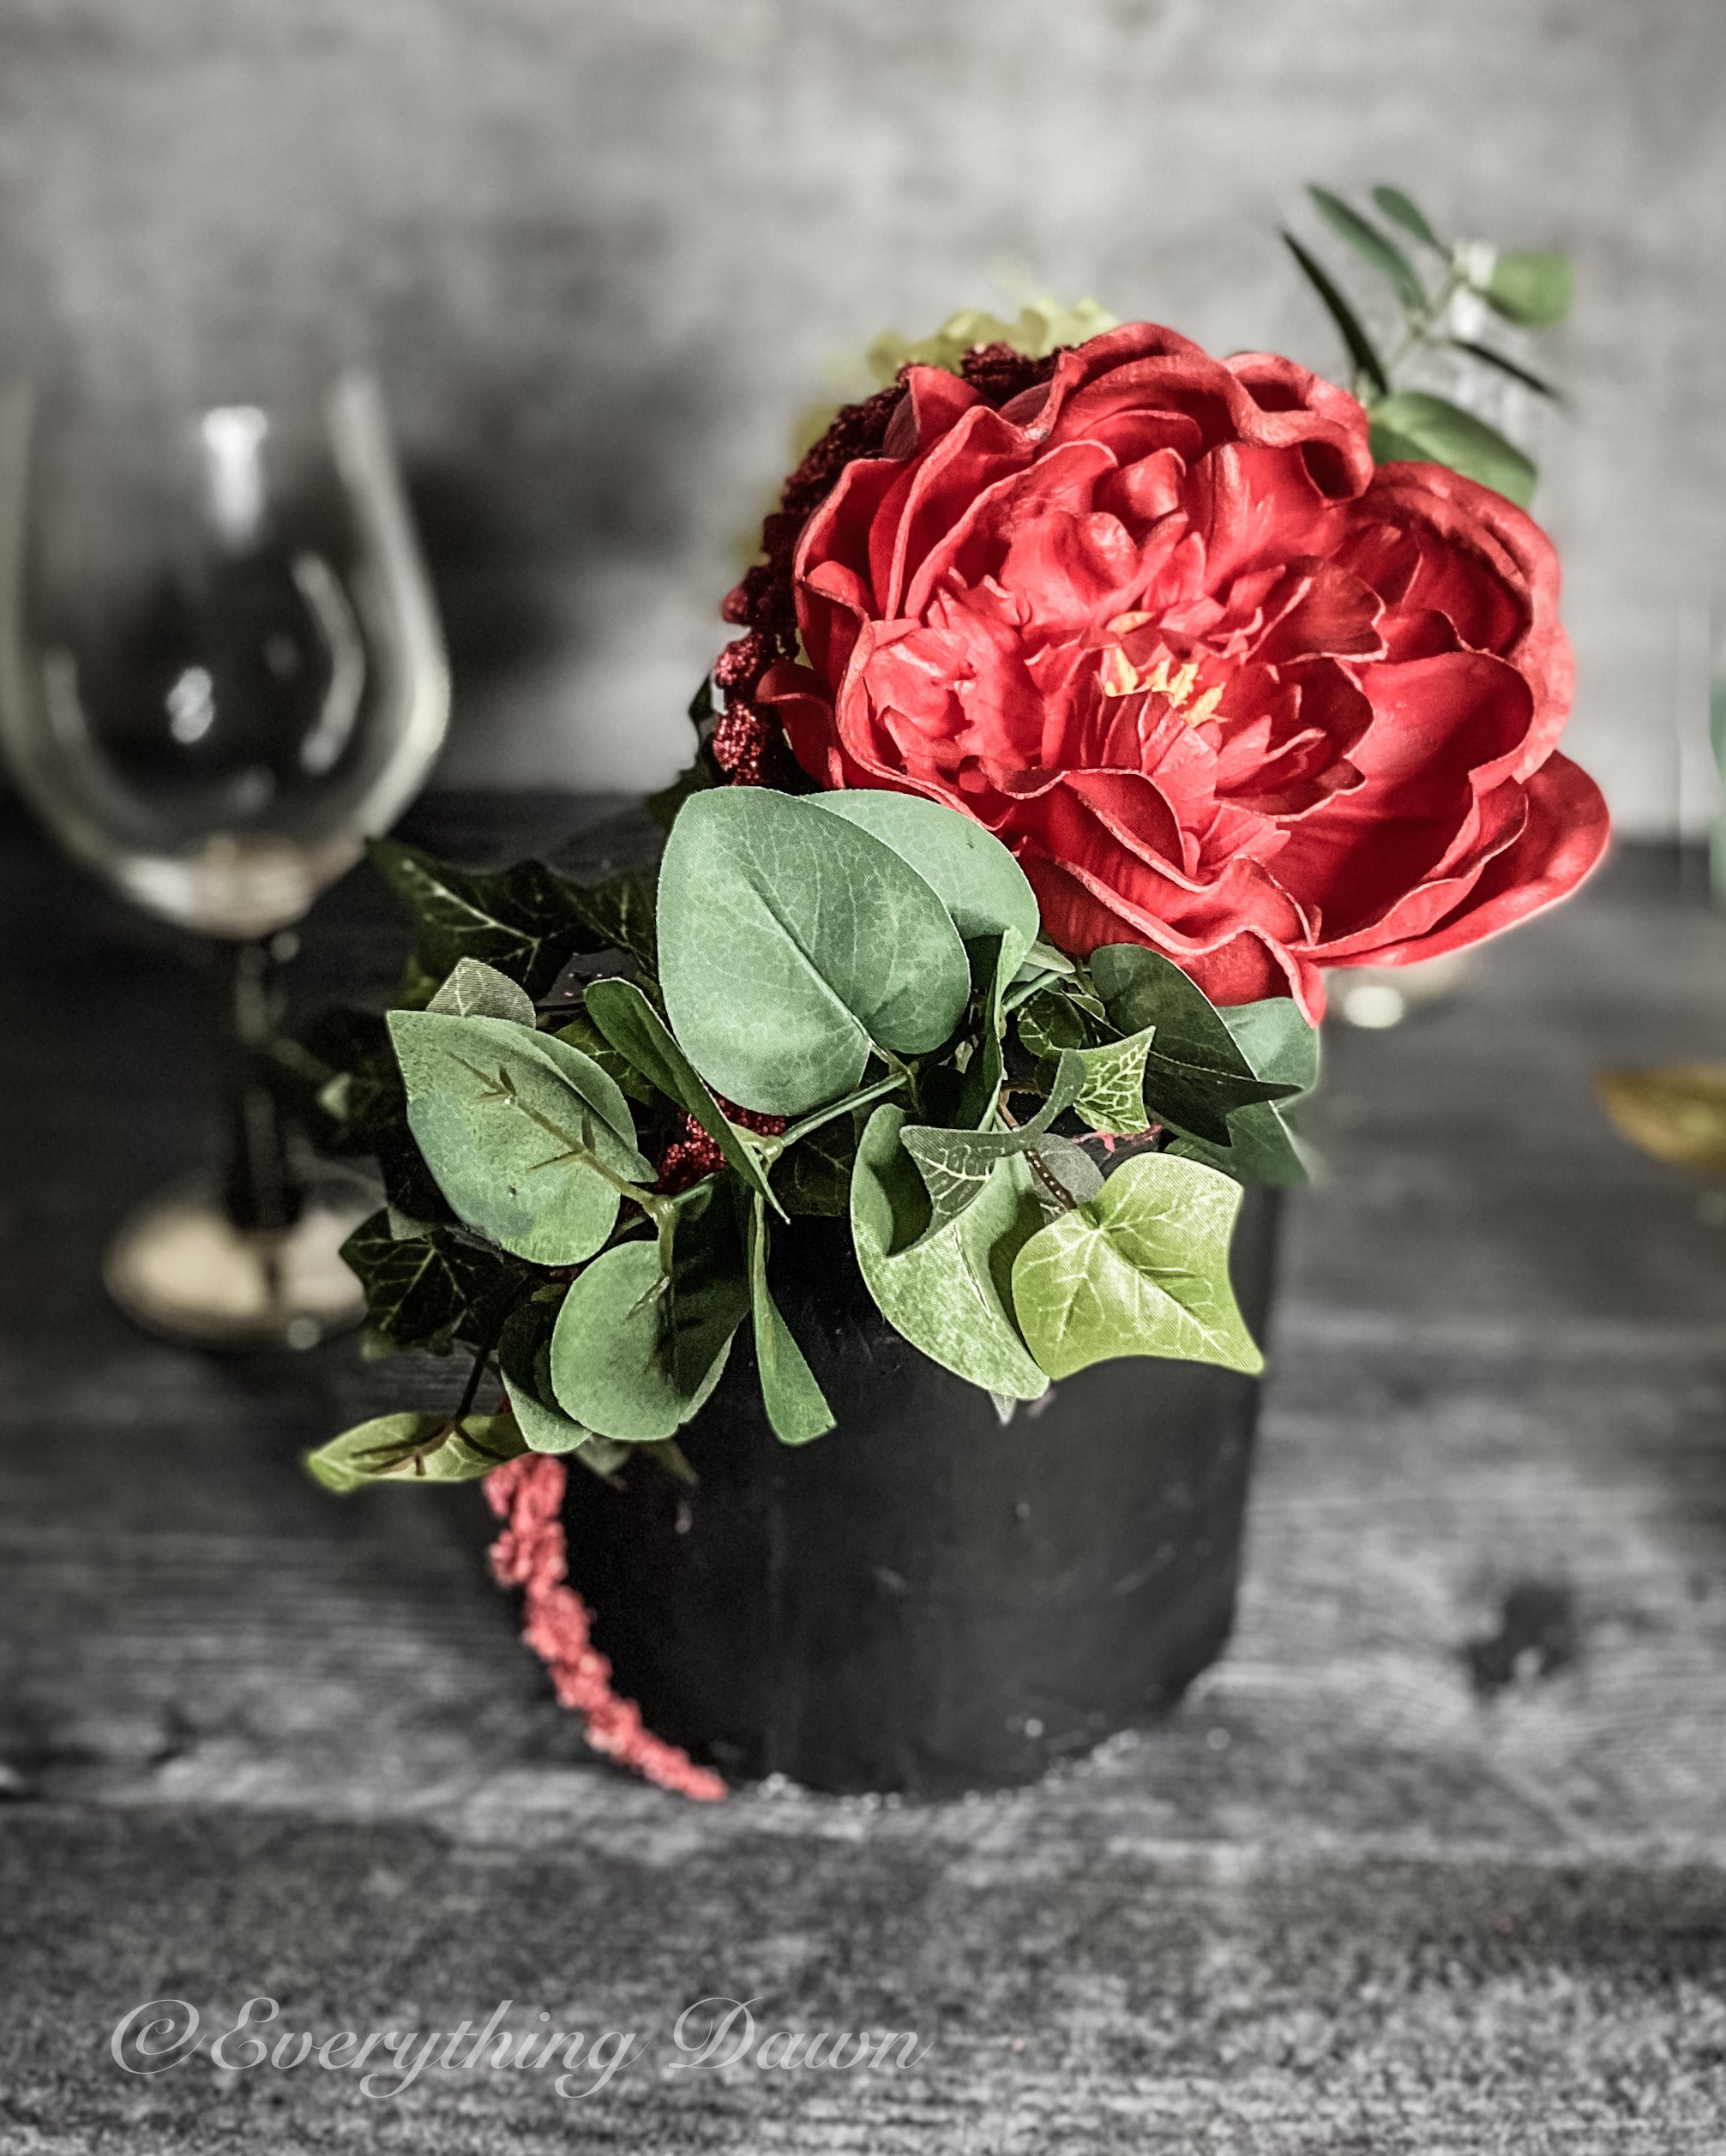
pixel 220 671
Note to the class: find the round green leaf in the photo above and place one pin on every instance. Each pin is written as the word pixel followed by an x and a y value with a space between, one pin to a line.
pixel 510 1123
pixel 615 1364
pixel 1142 1270
pixel 967 867
pixel 1530 285
pixel 791 941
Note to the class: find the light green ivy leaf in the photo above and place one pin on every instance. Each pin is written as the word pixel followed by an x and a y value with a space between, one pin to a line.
pixel 792 942
pixel 1195 1073
pixel 1143 1270
pixel 946 1289
pixel 1112 1096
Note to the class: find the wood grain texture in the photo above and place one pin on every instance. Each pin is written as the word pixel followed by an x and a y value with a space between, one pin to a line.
pixel 1346 1899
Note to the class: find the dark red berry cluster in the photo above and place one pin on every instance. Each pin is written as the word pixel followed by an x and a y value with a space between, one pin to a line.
pixel 693 1154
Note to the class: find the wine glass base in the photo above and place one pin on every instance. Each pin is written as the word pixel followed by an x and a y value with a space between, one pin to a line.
pixel 179 1267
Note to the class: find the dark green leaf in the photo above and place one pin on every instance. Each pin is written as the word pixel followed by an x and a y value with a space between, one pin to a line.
pixel 619 914
pixel 1360 347
pixel 415 1449
pixel 434 1287
pixel 814 1176
pixel 1415 423
pixel 1368 242
pixel 1506 367
pixel 523 922
pixel 637 1031
pixel 956 1165
pixel 1049 1022
pixel 796 1406
pixel 1402 211
pixel 792 943
pixel 1530 285
pixel 1194 1073
pixel 1278 1043
pixel 581 1033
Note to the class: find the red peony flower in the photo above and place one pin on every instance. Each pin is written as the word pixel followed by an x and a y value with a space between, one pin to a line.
pixel 1223 687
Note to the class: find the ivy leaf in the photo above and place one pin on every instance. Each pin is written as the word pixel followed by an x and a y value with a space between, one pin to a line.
pixel 524 1360
pixel 476 990
pixel 523 922
pixel 635 1354
pixel 1401 210
pixel 1071 1166
pixel 619 913
pixel 1415 423
pixel 415 1448
pixel 1677 1112
pixel 1530 285
pixel 813 1177
pixel 968 868
pixel 1194 1073
pixel 636 1031
pixel 1143 1270
pixel 792 943
pixel 1278 1043
pixel 1112 1097
pixel 1361 348
pixel 945 1288
pixel 956 1166
pixel 796 1405
pixel 1047 1022
pixel 516 1126
pixel 430 1289
pixel 1368 242
pixel 1528 381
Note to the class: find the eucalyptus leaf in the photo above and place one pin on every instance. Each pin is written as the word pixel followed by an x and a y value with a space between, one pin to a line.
pixel 969 871
pixel 1401 210
pixel 476 990
pixel 581 1033
pixel 1143 1270
pixel 1530 285
pixel 517 1127
pixel 415 1448
pixel 432 1289
pixel 1195 1073
pixel 1360 347
pixel 792 942
pixel 946 1288
pixel 813 1178
pixel 1415 423
pixel 796 1405
pixel 1046 959
pixel 635 1356
pixel 636 1030
pixel 1371 245
pixel 1112 1096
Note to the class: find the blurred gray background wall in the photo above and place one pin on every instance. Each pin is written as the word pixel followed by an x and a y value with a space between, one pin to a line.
pixel 602 251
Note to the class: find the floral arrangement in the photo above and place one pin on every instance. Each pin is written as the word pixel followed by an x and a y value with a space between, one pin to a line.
pixel 1089 701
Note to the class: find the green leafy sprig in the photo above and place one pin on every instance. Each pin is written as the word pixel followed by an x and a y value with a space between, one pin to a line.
pixel 1529 288
pixel 1041 1163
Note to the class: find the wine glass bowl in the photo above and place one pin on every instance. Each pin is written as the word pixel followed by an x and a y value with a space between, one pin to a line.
pixel 221 671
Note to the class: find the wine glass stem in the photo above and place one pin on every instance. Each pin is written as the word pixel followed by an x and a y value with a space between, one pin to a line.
pixel 259 1186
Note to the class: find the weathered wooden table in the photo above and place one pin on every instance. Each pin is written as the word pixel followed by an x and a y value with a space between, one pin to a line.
pixel 1431 1862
